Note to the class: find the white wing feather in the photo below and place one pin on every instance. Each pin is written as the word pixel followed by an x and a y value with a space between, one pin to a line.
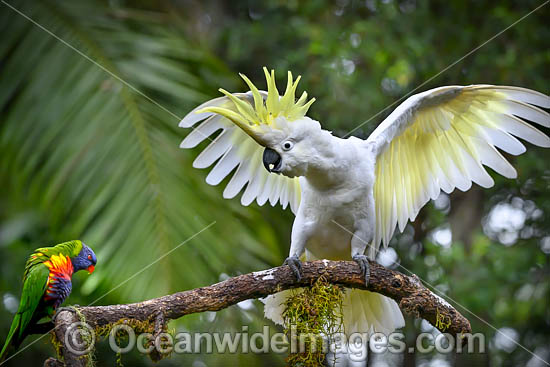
pixel 441 139
pixel 234 150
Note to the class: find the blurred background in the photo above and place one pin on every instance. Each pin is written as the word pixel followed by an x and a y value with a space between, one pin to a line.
pixel 85 156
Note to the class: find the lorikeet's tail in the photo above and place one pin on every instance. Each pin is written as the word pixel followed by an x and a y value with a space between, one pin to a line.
pixel 13 340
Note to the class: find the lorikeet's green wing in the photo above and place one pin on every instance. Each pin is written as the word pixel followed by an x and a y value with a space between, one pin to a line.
pixel 34 286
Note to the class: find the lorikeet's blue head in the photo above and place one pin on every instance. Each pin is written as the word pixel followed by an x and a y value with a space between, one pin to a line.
pixel 85 260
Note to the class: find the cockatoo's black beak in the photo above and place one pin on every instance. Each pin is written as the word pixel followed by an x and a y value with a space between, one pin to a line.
pixel 272 160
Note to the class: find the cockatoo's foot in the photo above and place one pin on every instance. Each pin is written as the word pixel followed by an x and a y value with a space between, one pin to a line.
pixel 363 262
pixel 296 266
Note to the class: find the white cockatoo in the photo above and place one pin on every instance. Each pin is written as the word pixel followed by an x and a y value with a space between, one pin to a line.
pixel 348 195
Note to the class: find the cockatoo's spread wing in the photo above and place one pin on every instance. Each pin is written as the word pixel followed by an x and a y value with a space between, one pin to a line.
pixel 233 148
pixel 440 139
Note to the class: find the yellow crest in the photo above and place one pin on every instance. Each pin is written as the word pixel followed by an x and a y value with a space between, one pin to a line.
pixel 253 119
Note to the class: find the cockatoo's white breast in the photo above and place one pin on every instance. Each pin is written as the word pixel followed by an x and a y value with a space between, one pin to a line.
pixel 333 212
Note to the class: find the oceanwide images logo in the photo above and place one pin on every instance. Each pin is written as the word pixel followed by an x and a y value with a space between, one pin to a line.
pixel 80 339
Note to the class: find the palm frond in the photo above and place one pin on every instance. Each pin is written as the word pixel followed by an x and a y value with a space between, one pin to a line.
pixel 105 159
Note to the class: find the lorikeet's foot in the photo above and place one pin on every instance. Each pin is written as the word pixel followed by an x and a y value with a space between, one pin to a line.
pixel 295 265
pixel 363 262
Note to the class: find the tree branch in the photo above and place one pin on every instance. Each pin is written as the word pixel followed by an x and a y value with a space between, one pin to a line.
pixel 408 291
pixel 71 341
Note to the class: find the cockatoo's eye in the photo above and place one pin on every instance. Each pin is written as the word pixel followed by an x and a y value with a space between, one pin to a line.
pixel 287 145
pixel 89 257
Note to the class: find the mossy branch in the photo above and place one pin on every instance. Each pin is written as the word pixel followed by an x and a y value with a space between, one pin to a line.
pixel 408 291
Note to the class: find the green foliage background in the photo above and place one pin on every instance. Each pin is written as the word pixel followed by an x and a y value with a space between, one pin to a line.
pixel 85 155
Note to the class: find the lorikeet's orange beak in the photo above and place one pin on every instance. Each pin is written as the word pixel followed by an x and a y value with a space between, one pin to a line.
pixel 90 269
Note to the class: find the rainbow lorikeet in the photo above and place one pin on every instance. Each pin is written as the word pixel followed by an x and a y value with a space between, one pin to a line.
pixel 46 284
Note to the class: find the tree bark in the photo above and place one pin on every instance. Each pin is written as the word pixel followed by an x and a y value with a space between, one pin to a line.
pixel 67 332
pixel 52 362
pixel 408 291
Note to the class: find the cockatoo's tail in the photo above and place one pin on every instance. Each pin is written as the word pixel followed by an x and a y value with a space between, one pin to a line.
pixel 262 117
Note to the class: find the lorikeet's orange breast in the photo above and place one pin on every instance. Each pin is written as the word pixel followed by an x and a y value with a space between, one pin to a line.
pixel 59 280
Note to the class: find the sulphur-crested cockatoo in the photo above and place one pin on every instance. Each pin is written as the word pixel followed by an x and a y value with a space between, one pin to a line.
pixel 348 195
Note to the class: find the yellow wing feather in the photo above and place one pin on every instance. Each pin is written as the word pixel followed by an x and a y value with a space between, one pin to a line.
pixel 441 139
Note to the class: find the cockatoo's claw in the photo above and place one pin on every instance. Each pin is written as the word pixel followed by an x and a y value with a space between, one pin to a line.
pixel 295 265
pixel 363 262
